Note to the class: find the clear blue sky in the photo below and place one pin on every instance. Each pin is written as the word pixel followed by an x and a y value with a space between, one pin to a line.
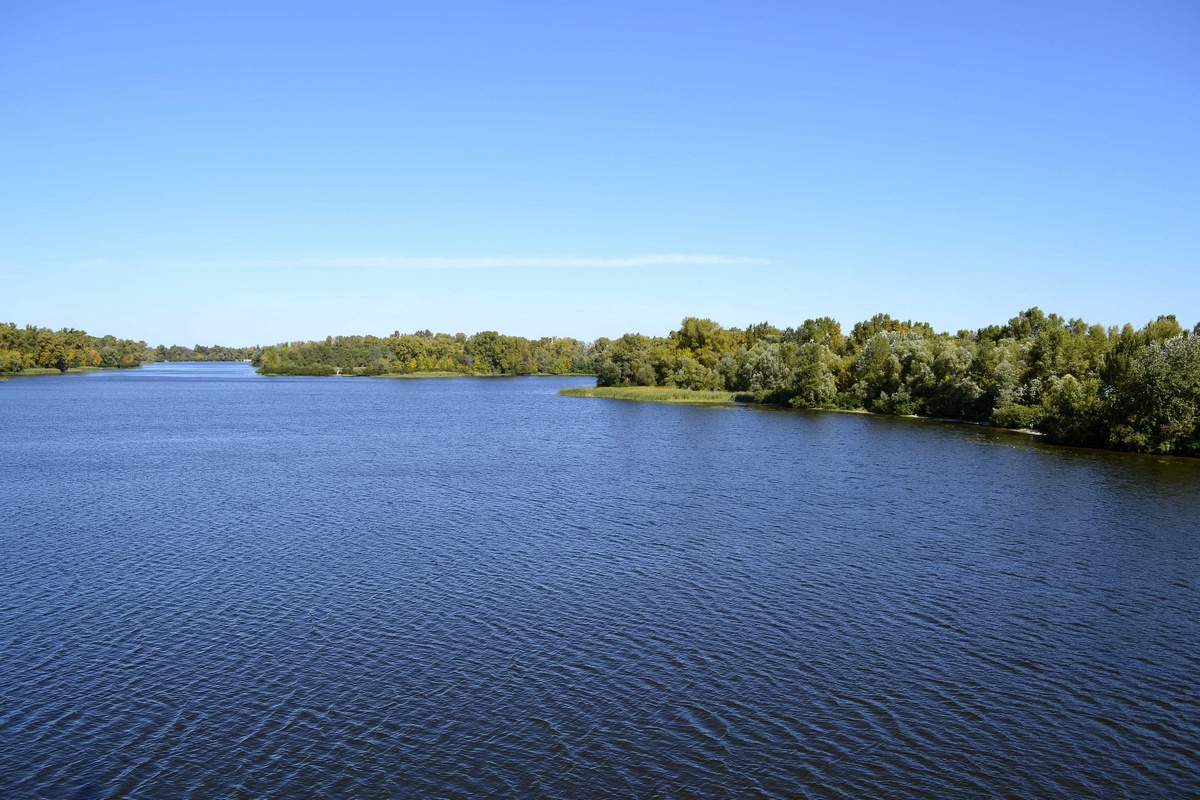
pixel 255 172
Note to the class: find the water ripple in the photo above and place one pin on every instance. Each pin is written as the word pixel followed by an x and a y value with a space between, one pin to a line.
pixel 221 586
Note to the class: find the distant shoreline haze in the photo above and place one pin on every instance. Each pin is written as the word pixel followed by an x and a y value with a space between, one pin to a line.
pixel 1117 388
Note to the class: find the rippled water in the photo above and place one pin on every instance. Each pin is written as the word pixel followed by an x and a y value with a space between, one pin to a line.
pixel 221 585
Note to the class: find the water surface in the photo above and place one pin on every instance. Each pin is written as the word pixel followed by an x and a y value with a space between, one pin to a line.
pixel 216 584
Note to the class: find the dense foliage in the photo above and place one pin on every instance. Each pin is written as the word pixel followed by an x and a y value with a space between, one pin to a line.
pixel 485 353
pixel 1078 383
pixel 30 347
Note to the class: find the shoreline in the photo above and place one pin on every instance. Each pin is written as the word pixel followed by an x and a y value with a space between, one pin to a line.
pixel 659 394
pixel 672 395
pixel 33 372
pixel 1034 435
pixel 430 374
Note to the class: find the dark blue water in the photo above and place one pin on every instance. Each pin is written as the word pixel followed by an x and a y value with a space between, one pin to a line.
pixel 214 584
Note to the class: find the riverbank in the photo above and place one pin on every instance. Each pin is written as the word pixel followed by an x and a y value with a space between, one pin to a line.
pixel 670 394
pixel 659 394
pixel 431 374
pixel 319 373
pixel 50 371
pixel 479 375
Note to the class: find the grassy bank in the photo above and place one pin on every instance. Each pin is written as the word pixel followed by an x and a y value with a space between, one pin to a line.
pixel 322 371
pixel 668 394
pixel 39 371
pixel 432 374
pixel 482 375
pixel 656 394
pixel 50 371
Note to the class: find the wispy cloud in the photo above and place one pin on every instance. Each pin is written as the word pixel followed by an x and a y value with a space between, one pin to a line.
pixel 497 262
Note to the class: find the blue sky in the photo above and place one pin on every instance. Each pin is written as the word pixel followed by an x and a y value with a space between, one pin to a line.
pixel 256 172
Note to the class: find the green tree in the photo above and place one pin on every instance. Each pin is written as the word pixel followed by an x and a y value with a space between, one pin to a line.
pixel 813 383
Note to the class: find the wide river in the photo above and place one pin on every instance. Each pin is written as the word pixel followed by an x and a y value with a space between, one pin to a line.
pixel 219 585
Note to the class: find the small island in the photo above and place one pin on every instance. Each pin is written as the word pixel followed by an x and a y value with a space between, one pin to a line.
pixel 430 354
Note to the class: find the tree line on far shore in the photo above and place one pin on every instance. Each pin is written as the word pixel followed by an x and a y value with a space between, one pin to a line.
pixel 1120 388
pixel 33 348
pixel 1079 383
pixel 484 353
pixel 200 352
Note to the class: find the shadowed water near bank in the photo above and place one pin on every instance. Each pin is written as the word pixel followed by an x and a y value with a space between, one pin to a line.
pixel 221 584
pixel 667 394
pixel 657 394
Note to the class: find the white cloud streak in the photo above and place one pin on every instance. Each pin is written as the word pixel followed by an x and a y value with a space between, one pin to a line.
pixel 500 262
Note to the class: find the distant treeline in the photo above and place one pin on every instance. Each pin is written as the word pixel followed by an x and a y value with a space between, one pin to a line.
pixel 1080 384
pixel 485 353
pixel 201 352
pixel 1121 388
pixel 33 348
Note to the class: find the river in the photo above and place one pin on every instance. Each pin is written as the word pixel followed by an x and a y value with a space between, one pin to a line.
pixel 216 584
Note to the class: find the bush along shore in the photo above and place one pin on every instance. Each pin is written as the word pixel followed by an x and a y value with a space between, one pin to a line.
pixel 1118 388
